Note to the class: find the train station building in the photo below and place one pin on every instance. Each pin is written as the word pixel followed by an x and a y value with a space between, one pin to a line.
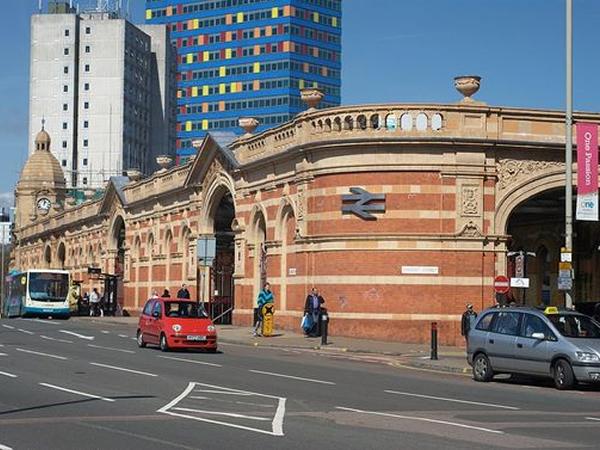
pixel 399 213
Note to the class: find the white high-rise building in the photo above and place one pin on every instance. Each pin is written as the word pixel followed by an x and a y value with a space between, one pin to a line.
pixel 105 90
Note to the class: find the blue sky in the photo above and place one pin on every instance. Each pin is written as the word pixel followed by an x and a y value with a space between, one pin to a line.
pixel 393 51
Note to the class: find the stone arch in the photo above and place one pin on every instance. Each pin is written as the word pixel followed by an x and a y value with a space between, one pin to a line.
pixel 47 256
pixel 221 186
pixel 257 237
pixel 286 230
pixel 285 206
pixel 523 192
pixel 186 256
pixel 361 122
pixel 61 255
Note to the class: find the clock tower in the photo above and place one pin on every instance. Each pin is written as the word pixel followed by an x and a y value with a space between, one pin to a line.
pixel 40 190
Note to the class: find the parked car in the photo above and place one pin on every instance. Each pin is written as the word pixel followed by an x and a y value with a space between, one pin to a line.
pixel 176 323
pixel 561 344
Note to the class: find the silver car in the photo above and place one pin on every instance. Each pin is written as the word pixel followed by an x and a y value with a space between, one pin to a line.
pixel 563 345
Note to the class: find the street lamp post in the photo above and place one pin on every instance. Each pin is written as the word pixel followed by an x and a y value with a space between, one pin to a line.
pixel 569 142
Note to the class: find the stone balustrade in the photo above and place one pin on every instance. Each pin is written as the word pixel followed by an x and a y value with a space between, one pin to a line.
pixel 411 122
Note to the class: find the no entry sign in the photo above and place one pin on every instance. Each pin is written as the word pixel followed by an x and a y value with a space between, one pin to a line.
pixel 501 284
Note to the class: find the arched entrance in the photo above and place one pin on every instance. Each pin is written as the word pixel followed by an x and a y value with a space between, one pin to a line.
pixel 48 257
pixel 113 283
pixel 537 226
pixel 258 239
pixel 61 255
pixel 221 285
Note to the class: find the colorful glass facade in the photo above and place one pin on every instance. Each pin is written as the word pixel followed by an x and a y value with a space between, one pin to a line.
pixel 249 58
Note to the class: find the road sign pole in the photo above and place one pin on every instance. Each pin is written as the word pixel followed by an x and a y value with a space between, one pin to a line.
pixel 569 140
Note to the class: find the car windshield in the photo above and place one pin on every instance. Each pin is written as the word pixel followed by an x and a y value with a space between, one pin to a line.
pixel 48 287
pixel 575 326
pixel 185 310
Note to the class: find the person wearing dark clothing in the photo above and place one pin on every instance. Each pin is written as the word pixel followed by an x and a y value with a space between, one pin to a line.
pixel 183 292
pixel 312 308
pixel 166 294
pixel 468 321
pixel 596 315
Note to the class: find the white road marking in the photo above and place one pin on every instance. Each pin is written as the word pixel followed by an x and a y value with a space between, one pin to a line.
pixel 139 372
pixel 420 419
pixel 123 336
pixel 105 332
pixel 5 447
pixel 44 321
pixel 444 399
pixel 212 391
pixel 277 423
pixel 593 418
pixel 9 327
pixel 10 375
pixel 3 354
pixel 81 336
pixel 41 354
pixel 191 361
pixel 25 331
pixel 65 341
pixel 215 413
pixel 197 397
pixel 311 380
pixel 111 348
pixel 83 394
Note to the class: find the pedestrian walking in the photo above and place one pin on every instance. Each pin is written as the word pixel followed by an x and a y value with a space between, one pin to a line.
pixel 468 321
pixel 312 309
pixel 95 308
pixel 265 296
pixel 183 292
pixel 166 294
pixel 154 294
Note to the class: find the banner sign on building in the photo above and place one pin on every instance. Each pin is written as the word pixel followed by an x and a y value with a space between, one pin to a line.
pixel 587 171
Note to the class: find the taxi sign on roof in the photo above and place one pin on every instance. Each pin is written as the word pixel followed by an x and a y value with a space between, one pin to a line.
pixel 551 310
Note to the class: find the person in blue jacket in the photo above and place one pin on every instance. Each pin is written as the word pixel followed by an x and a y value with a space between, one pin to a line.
pixel 265 296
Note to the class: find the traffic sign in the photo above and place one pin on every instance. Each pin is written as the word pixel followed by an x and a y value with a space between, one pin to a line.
pixel 501 284
pixel 519 282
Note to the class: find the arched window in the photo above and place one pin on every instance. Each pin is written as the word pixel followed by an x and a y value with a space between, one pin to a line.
pixel 390 122
pixel 406 122
pixel 436 122
pixel 421 122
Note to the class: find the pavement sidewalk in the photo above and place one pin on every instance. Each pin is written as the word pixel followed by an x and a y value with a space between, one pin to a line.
pixel 450 359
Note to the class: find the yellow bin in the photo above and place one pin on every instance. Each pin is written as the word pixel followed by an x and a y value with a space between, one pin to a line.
pixel 268 311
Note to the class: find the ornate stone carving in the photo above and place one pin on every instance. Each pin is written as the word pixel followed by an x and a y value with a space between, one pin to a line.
pixel 511 170
pixel 301 203
pixel 470 229
pixel 470 200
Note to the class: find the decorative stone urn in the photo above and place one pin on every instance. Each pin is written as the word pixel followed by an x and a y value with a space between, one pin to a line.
pixel 164 161
pixel 71 201
pixel 312 97
pixel 249 124
pixel 467 85
pixel 134 174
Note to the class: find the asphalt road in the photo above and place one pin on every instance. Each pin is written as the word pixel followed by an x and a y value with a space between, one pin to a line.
pixel 79 384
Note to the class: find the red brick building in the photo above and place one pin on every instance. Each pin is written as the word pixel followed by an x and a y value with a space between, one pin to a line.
pixel 457 186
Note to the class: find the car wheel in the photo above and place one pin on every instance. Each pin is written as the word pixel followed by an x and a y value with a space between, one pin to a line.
pixel 563 375
pixel 140 339
pixel 163 343
pixel 482 369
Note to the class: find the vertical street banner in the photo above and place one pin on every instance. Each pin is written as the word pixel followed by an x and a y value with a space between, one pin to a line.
pixel 587 171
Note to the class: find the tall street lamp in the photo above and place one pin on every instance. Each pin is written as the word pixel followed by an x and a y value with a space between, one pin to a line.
pixel 569 142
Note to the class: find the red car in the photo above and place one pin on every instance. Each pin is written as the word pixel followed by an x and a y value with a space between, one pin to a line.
pixel 176 323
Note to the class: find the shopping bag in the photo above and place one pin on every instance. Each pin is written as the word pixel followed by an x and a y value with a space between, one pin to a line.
pixel 307 323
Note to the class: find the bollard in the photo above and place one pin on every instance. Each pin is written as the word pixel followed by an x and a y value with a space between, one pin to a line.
pixel 324 326
pixel 434 343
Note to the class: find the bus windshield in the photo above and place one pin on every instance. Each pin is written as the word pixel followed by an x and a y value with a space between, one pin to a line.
pixel 48 287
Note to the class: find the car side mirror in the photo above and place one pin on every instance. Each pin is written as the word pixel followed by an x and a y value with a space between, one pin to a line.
pixel 155 314
pixel 539 336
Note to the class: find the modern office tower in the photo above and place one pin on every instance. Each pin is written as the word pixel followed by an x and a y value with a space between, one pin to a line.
pixel 104 89
pixel 240 58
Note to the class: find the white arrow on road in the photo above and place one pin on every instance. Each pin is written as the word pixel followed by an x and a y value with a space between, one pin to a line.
pixel 80 336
